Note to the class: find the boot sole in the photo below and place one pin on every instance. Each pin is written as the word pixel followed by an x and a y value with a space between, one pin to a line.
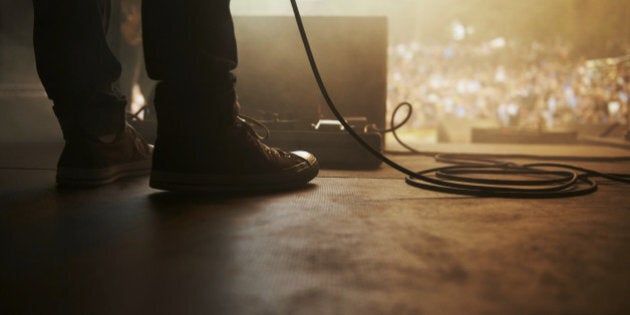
pixel 78 177
pixel 291 178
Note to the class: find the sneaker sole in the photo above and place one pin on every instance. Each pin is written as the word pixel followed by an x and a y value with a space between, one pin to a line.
pixel 292 178
pixel 77 177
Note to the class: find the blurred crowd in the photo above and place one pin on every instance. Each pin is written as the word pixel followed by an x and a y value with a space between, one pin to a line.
pixel 534 85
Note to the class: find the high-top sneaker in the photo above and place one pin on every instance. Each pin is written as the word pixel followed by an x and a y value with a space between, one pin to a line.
pixel 210 148
pixel 100 147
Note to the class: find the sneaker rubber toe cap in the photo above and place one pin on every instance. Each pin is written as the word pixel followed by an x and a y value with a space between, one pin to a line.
pixel 306 156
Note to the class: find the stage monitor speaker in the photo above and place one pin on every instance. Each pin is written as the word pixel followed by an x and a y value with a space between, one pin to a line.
pixel 274 77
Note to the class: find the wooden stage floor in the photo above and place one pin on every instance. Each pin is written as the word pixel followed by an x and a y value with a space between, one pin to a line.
pixel 353 242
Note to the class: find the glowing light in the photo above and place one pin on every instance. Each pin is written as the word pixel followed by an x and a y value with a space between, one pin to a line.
pixel 498 43
pixel 614 107
pixel 137 100
pixel 459 31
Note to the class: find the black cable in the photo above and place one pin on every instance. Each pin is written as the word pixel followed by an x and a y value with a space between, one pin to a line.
pixel 328 99
pixel 560 180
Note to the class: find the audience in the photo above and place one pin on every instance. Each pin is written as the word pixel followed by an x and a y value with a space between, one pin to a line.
pixel 541 86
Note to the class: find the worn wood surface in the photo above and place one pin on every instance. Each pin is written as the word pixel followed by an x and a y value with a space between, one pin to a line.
pixel 352 242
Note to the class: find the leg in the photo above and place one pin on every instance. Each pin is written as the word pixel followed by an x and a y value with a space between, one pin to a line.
pixel 202 143
pixel 192 38
pixel 77 70
pixel 75 64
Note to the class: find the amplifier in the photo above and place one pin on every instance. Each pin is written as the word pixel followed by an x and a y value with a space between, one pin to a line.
pixel 274 75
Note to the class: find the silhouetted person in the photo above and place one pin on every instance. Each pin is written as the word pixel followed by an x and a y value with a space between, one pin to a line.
pixel 202 143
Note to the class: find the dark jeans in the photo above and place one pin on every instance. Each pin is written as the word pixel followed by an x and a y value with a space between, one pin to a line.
pixel 186 41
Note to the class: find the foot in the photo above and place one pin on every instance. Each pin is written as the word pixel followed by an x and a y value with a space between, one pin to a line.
pixel 94 161
pixel 235 160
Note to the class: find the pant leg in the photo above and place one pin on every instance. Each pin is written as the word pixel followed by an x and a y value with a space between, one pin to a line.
pixel 190 48
pixel 189 38
pixel 75 64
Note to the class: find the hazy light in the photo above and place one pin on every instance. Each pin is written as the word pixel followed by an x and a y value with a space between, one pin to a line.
pixel 498 43
pixel 137 101
pixel 459 31
pixel 614 107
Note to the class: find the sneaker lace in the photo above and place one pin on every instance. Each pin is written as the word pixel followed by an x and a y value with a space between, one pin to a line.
pixel 253 123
